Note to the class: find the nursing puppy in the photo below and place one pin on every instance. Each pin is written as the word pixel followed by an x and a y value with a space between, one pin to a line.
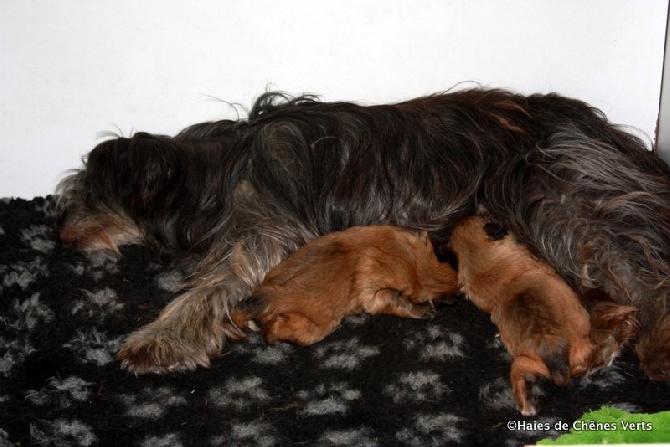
pixel 541 320
pixel 232 199
pixel 376 269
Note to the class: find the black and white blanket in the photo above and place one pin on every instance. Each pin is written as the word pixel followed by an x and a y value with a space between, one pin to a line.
pixel 376 381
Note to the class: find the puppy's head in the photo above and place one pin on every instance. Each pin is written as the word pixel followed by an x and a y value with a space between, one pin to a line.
pixel 474 236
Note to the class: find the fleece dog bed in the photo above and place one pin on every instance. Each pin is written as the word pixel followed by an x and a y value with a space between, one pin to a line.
pixel 376 381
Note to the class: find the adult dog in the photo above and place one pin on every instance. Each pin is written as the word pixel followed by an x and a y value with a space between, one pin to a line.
pixel 234 198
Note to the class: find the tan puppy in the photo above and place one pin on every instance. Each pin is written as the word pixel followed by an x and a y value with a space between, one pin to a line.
pixel 376 269
pixel 535 310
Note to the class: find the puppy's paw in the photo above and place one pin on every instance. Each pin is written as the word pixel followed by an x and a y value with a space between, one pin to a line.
pixel 240 322
pixel 409 307
pixel 292 327
pixel 253 326
pixel 235 332
pixel 523 373
pixel 582 355
pixel 527 409
pixel 424 312
pixel 405 306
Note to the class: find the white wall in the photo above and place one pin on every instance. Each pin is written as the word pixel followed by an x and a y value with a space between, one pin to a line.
pixel 70 69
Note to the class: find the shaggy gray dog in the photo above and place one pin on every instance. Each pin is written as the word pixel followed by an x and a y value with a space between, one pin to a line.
pixel 232 199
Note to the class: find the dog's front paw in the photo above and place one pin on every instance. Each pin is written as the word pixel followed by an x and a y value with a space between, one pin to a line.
pixel 159 351
pixel 527 408
pixel 424 311
pixel 292 327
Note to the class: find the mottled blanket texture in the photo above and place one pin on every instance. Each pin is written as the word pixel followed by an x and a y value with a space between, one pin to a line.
pixel 376 381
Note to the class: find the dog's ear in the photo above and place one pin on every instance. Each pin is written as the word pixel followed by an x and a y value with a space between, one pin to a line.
pixel 609 315
pixel 495 231
pixel 154 163
pixel 134 169
pixel 452 259
pixel 444 254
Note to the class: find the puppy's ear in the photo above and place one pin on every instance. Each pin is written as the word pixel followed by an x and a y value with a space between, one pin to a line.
pixel 444 254
pixel 423 236
pixel 608 315
pixel 495 231
pixel 451 258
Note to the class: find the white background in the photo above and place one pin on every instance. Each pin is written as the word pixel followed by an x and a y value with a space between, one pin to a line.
pixel 70 69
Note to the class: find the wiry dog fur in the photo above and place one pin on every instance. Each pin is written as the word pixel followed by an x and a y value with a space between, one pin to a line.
pixel 236 197
pixel 541 320
pixel 375 269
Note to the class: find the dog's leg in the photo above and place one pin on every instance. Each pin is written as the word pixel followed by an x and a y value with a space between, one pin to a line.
pixel 628 277
pixel 523 372
pixel 294 327
pixel 650 294
pixel 193 327
pixel 186 334
pixel 393 302
pixel 297 328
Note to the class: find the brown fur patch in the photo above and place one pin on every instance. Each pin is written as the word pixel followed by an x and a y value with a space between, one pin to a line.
pixel 542 322
pixel 372 270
